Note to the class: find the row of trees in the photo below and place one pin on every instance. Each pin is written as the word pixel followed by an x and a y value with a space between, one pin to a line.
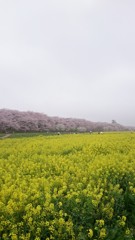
pixel 16 121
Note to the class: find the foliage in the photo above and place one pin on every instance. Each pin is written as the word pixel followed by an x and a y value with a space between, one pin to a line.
pixel 16 121
pixel 68 187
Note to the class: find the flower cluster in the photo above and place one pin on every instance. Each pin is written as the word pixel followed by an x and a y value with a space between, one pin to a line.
pixel 68 187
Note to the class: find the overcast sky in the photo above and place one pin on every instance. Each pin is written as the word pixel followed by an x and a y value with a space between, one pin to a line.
pixel 69 58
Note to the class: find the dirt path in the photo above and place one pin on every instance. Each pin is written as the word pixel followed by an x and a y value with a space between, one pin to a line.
pixel 5 136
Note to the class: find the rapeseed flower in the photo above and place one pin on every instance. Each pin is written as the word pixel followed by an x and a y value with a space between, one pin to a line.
pixel 102 233
pixel 90 233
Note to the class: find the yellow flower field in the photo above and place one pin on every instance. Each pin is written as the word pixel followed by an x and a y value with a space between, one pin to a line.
pixel 75 186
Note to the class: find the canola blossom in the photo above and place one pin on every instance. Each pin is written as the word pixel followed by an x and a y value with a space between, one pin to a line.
pixel 64 187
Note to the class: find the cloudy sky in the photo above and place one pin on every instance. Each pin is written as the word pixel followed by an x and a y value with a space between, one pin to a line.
pixel 69 58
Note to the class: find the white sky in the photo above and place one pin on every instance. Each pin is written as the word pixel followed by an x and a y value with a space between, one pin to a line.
pixel 72 58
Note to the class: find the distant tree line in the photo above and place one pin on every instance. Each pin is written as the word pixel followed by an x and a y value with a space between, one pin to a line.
pixel 16 121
